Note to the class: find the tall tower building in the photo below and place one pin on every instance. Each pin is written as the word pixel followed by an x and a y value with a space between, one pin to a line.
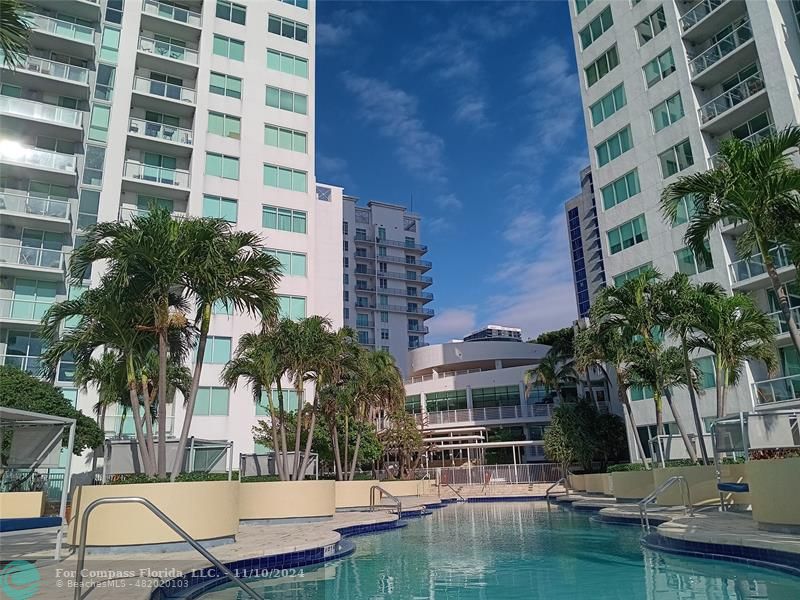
pixel 204 107
pixel 663 83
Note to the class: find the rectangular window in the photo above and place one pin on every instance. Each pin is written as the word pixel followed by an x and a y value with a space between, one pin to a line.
pixel 98 124
pixel 616 145
pixel 659 68
pixel 219 165
pixel 220 308
pixel 218 350
pixel 676 159
pixel 292 307
pixel 708 374
pixel 297 3
pixel 288 139
pixel 621 189
pixel 287 28
pixel 650 27
pixel 287 100
pixel 283 219
pixel 602 66
pixel 623 277
pixel 690 263
pixel 687 207
pixel 285 179
pixel 212 402
pixel 229 11
pixel 217 207
pixel 290 402
pixel 639 392
pixel 224 125
pixel 608 105
pixel 109 45
pixel 228 47
pixel 225 85
pixel 287 63
pixel 580 5
pixel 596 27
pixel 438 401
pixel 628 234
pixel 667 112
pixel 292 263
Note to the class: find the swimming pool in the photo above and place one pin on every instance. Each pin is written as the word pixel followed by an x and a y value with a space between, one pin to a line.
pixel 518 550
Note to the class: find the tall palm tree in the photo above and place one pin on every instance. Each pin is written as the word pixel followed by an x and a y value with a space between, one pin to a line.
pixel 735 330
pixel 14 30
pixel 756 186
pixel 107 375
pixel 552 372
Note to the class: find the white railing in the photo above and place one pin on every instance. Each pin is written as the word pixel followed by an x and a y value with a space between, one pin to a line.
pixel 168 50
pixel 461 372
pixel 418 329
pixel 160 131
pixel 165 90
pixel 402 244
pixel 171 12
pixel 33 257
pixel 65 29
pixel 419 378
pixel 40 111
pixel 699 12
pixel 24 310
pixel 780 322
pixel 26 204
pixel 52 68
pixel 713 160
pixel 752 266
pixel 715 53
pixel 14 152
pixel 727 100
pixel 780 389
pixel 490 413
pixel 494 474
pixel 140 171
pixel 126 213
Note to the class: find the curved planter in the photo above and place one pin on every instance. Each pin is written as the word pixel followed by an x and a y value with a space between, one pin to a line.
pixel 287 499
pixel 774 493
pixel 206 510
pixel 632 486
pixel 702 482
pixel 352 494
pixel 577 482
pixel 598 483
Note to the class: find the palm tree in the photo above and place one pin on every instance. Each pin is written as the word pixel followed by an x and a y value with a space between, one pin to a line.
pixel 107 375
pixel 736 331
pixel 14 29
pixel 552 372
pixel 755 187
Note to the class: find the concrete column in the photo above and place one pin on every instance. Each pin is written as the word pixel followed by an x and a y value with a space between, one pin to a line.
pixel 423 403
pixel 498 364
pixel 469 397
pixel 523 401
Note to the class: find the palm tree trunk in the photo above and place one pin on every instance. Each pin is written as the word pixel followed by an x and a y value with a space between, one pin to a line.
pixel 148 423
pixel 297 431
pixel 346 439
pixel 282 422
pixel 147 463
pixel 622 394
pixel 355 457
pixel 780 293
pixel 660 431
pixel 337 458
pixel 720 375
pixel 679 424
pixel 274 434
pixel 301 473
pixel 698 422
pixel 162 401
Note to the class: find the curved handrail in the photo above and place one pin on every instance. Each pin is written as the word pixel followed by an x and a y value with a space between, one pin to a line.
pixel 661 489
pixel 455 491
pixel 557 483
pixel 383 492
pixel 170 523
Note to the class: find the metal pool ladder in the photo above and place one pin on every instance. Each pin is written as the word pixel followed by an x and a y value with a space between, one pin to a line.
pixel 398 504
pixel 170 523
pixel 679 479
pixel 556 484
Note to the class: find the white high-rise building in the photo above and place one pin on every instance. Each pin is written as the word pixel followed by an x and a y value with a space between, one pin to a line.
pixel 663 83
pixel 205 107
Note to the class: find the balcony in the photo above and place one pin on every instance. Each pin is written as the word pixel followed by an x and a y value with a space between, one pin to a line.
pixel 714 160
pixel 83 9
pixel 23 312
pixel 725 47
pixel 423 296
pixel 365 324
pixel 141 178
pixel 535 412
pixel 735 106
pixel 126 213
pixel 163 97
pixel 25 259
pixel 155 137
pixel 402 244
pixel 422 279
pixel 174 59
pixel 362 239
pixel 401 260
pixel 173 16
pixel 707 17
pixel 771 392
pixel 43 117
pixel 49 76
pixel 32 161
pixel 63 36
pixel 780 322
pixel 418 329
pixel 749 272
pixel 19 208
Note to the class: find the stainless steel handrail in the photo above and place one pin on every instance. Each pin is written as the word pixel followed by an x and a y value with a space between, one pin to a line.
pixel 455 492
pixel 170 523
pixel 661 489
pixel 383 492
pixel 557 483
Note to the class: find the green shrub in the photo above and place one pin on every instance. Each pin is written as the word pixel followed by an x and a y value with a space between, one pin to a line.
pixel 626 467
pixel 774 453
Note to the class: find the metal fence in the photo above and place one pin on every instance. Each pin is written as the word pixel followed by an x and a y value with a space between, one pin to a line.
pixel 494 474
pixel 51 482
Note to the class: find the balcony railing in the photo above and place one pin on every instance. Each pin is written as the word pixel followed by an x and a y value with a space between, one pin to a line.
pixel 752 266
pixel 127 213
pixel 64 29
pixel 493 413
pixel 400 292
pixel 713 160
pixel 414 277
pixel 31 364
pixel 168 50
pixel 24 310
pixel 780 321
pixel 34 64
pixel 781 389
pixel 40 111
pixel 418 329
pixel 736 95
pixel 26 204
pixel 417 311
pixel 175 177
pixel 160 131
pixel 171 12
pixel 402 260
pixel 461 372
pixel 165 90
pixel 715 53
pixel 32 257
pixel 402 244
pixel 699 12
pixel 14 152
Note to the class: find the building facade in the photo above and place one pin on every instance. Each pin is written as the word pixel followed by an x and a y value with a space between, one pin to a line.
pixel 206 108
pixel 662 84
pixel 384 277
pixel 496 332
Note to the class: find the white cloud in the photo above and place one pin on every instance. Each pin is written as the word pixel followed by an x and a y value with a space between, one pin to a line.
pixel 339 31
pixel 471 109
pixel 452 323
pixel 448 202
pixel 437 224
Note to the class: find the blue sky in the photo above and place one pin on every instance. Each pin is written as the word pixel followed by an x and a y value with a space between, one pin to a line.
pixel 474 109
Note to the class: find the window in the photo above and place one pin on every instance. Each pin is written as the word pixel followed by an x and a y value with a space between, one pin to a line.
pixel 628 234
pixel 88 205
pixel 109 45
pixel 676 159
pixel 287 100
pixel 580 5
pixel 620 189
pixel 504 395
pixel 228 47
pixel 292 307
pixel 596 27
pixel 98 124
pixel 225 85
pixel 641 392
pixel 708 375
pixel 220 308
pixel 667 112
pixel 287 28
pixel 384 316
pixel 225 125
pixel 758 124
pixel 659 68
pixel 231 12
pixel 384 334
pixel 212 402
pixel 297 3
pixel 104 86
pixel 218 207
pixel 31 299
pixel 287 63
pixel 608 105
pixel 414 404
pixel 219 165
pixel 288 139
pixel 601 67
pixel 623 277
pixel 114 11
pixel 650 27
pixel 218 350
pixel 690 263
pixel 93 165
pixel 687 207
pixel 616 145
pixel 285 179
pixel 283 219
pixel 292 263
pixel 449 400
pixel 290 401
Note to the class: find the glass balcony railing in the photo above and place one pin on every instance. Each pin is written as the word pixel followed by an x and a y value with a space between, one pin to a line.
pixel 14 152
pixel 714 159
pixel 402 244
pixel 31 256
pixel 753 266
pixel 64 29
pixel 780 389
pixel 780 321
pixel 40 112
pixel 712 55
pixel 164 176
pixel 727 100
pixel 51 68
pixel 165 90
pixel 25 204
pixel 699 12
pixel 167 50
pixel 24 310
pixel 160 131
pixel 126 213
pixel 171 12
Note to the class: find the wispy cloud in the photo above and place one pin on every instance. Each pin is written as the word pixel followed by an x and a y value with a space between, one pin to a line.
pixel 472 110
pixel 339 31
pixel 437 224
pixel 453 323
pixel 448 202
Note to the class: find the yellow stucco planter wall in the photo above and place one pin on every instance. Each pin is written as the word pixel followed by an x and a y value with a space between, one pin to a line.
pixel 578 482
pixel 351 494
pixel 206 510
pixel 285 499
pixel 632 485
pixel 21 505
pixel 598 483
pixel 702 484
pixel 775 492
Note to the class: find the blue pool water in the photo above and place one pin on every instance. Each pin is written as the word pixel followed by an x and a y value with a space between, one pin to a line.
pixel 508 551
